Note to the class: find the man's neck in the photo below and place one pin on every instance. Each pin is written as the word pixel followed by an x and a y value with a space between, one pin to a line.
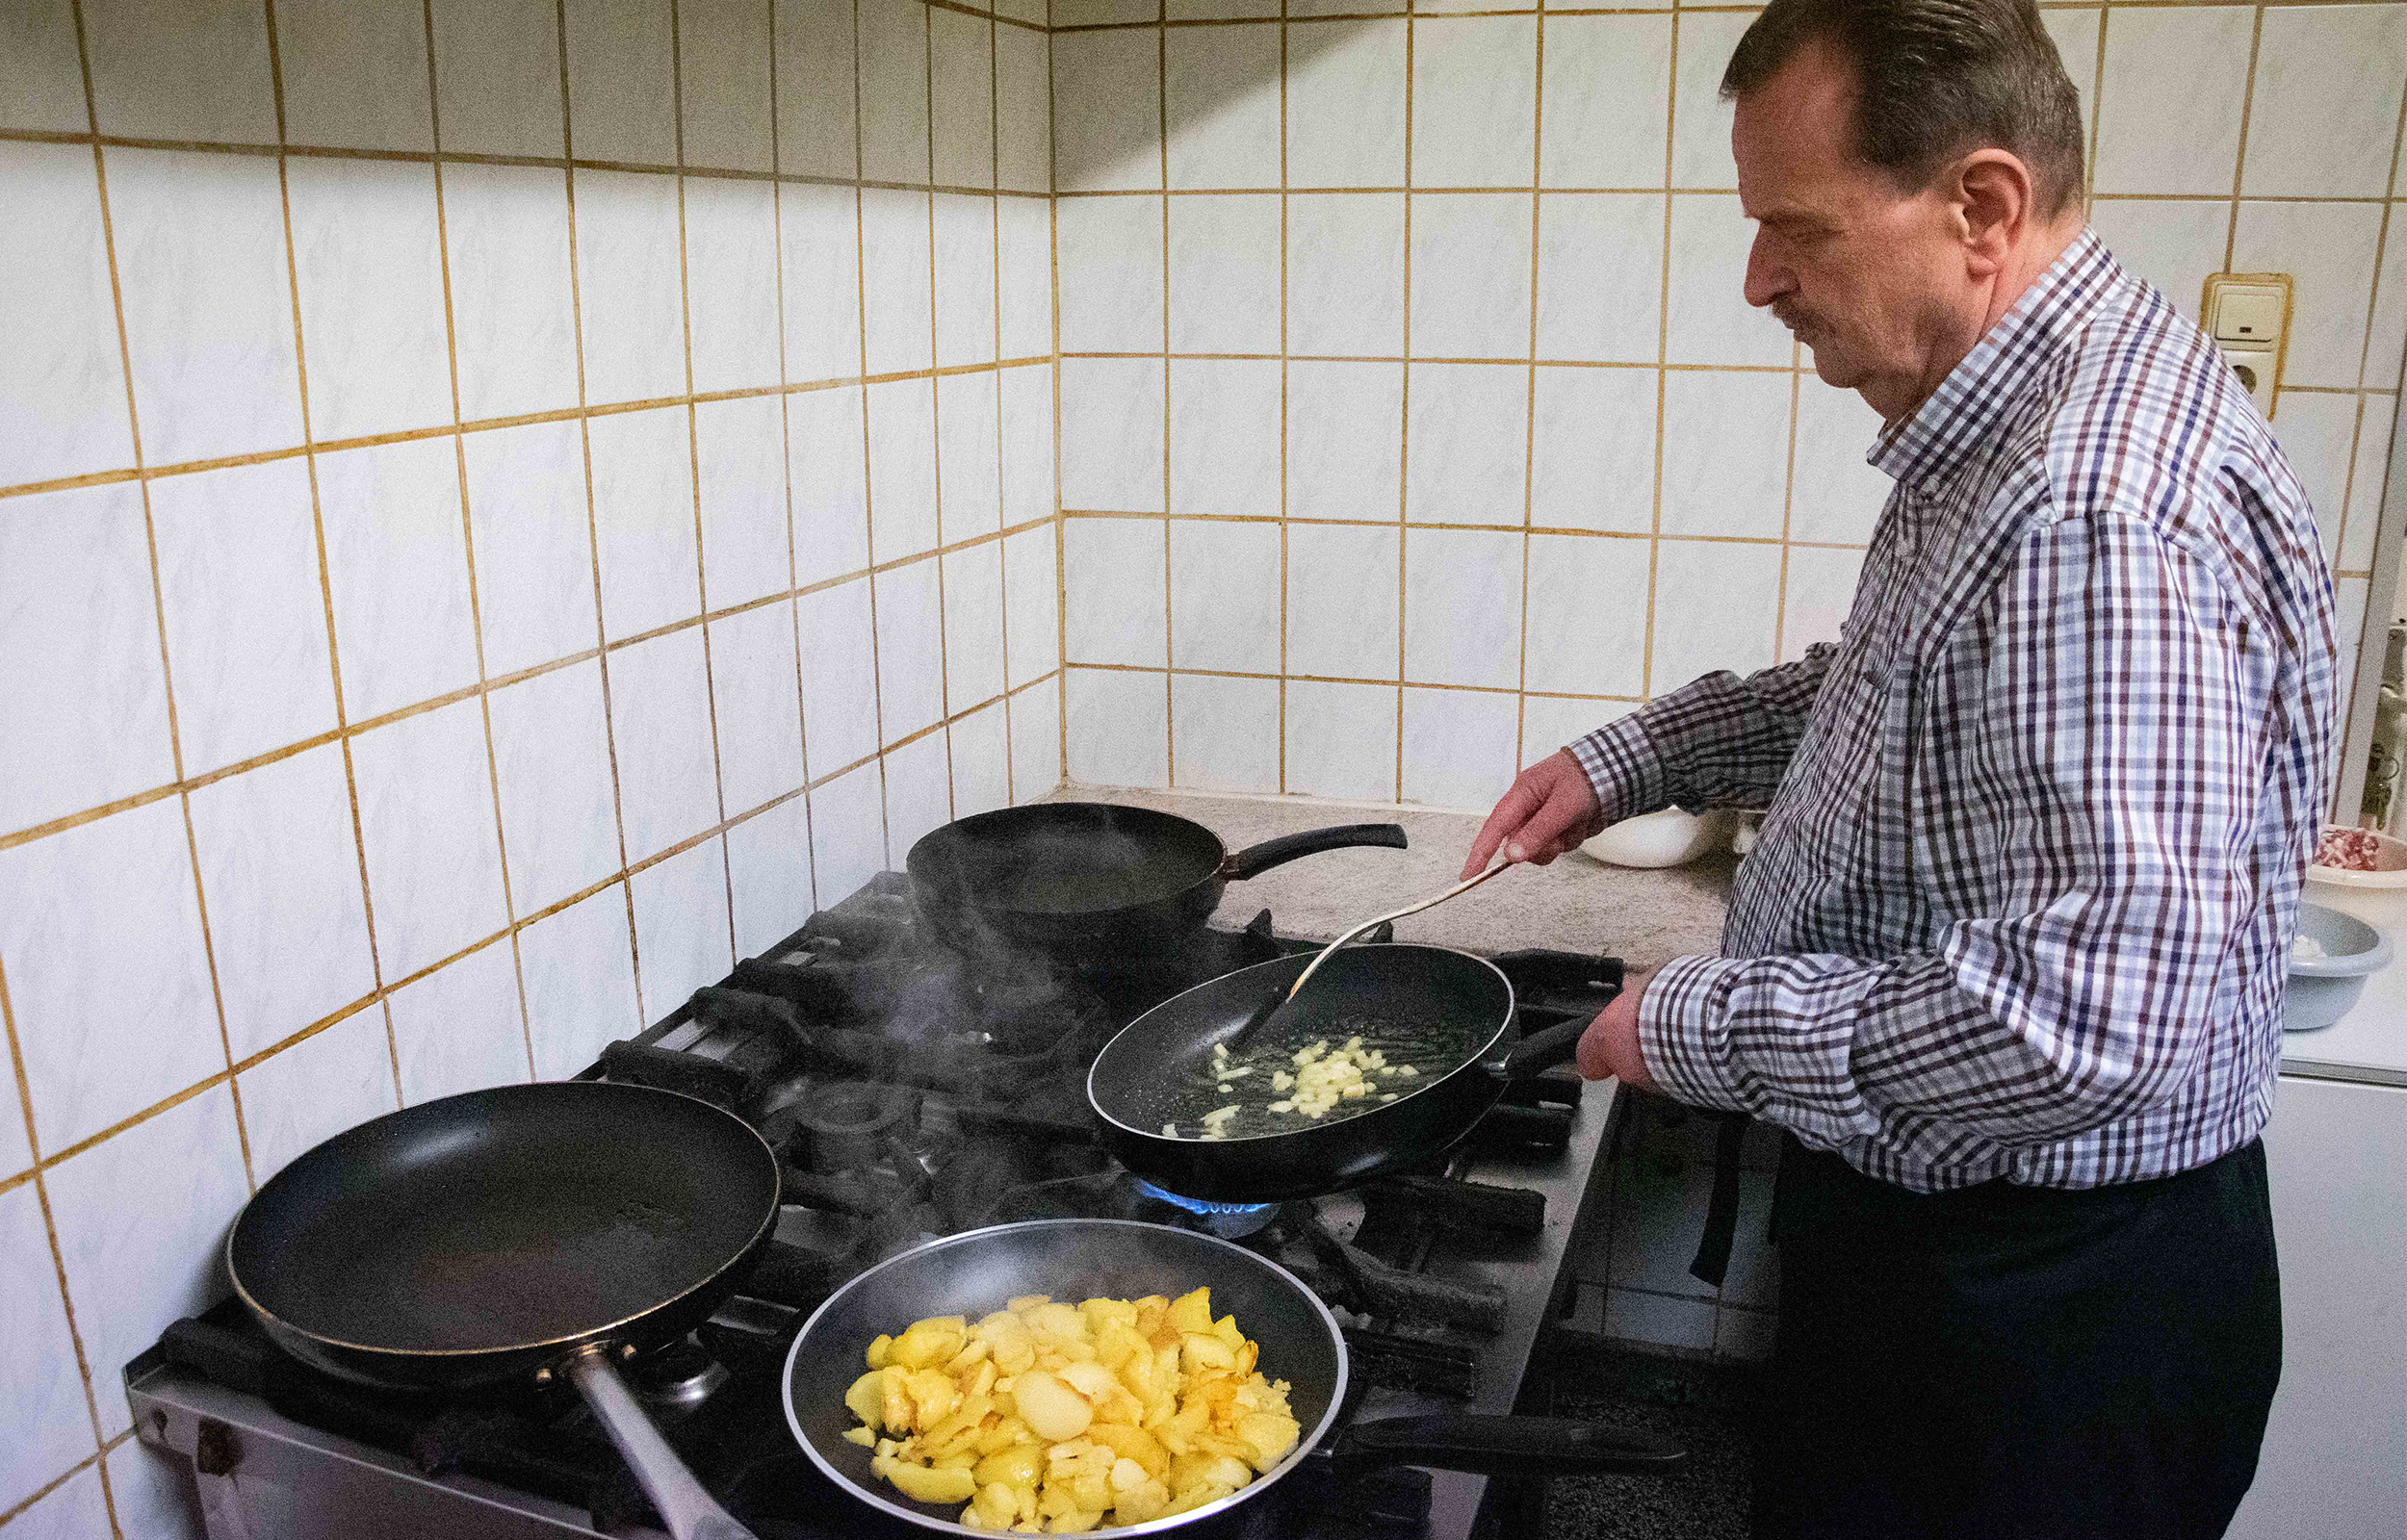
pixel 2035 257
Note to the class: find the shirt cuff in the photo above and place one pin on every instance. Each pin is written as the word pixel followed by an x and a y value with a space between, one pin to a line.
pixel 1622 769
pixel 1679 1033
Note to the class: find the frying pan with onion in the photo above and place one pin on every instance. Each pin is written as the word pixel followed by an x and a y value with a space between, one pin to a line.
pixel 1160 1088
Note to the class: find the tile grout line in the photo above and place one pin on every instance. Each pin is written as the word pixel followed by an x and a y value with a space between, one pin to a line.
pixel 1403 409
pixel 50 1231
pixel 468 539
pixel 936 403
pixel 1787 511
pixel 593 532
pixel 1285 342
pixel 1529 447
pixel 127 474
pixel 7 1015
pixel 1663 353
pixel 786 463
pixel 995 214
pixel 2240 152
pixel 124 474
pixel 116 298
pixel 869 491
pixel 1161 148
pixel 694 451
pixel 1061 554
pixel 326 578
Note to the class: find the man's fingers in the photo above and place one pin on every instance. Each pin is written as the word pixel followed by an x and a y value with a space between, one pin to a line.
pixel 1542 839
pixel 1512 811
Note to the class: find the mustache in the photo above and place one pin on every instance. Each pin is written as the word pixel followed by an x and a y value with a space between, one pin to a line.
pixel 1794 318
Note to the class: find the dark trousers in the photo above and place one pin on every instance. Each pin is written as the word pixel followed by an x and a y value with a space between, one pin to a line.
pixel 2008 1363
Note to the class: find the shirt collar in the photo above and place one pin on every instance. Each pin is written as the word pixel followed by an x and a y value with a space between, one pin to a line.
pixel 1939 435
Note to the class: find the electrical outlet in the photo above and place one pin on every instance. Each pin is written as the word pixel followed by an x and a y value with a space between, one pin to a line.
pixel 2247 315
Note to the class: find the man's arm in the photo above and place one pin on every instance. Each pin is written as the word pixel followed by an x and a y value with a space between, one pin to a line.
pixel 1720 741
pixel 2098 850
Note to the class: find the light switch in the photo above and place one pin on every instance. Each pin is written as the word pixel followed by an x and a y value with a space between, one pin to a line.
pixel 2248 315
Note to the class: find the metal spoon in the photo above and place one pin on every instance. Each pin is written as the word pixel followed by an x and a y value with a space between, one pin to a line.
pixel 1274 1004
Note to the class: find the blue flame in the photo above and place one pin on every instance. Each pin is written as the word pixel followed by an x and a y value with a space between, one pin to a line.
pixel 1197 1205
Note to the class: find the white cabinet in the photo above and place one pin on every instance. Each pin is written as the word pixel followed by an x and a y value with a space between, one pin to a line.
pixel 2334 1460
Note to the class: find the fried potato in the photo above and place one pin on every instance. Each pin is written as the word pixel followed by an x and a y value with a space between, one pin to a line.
pixel 1061 1418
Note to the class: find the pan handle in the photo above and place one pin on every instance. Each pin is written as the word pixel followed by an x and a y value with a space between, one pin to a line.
pixel 1256 859
pixel 690 1512
pixel 1543 1050
pixel 1503 1446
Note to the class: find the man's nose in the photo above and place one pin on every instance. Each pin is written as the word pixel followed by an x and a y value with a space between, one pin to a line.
pixel 1768 278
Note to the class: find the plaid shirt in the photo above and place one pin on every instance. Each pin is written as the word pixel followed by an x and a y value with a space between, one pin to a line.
pixel 2023 901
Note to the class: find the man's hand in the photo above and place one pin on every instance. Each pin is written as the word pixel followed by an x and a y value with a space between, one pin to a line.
pixel 1550 809
pixel 1609 1047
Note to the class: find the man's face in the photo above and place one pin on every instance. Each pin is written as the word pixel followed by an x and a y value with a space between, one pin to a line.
pixel 1868 275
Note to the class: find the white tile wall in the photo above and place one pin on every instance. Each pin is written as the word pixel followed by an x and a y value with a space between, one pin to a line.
pixel 315 1088
pixel 1220 101
pixel 2172 100
pixel 682 936
pixel 1224 733
pixel 1453 356
pixel 769 872
pixel 64 382
pixel 288 923
pixel 168 317
pixel 1224 273
pixel 79 662
pixel 356 622
pixel 1224 436
pixel 460 1027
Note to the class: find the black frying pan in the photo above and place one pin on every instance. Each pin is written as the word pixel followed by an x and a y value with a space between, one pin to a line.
pixel 1447 1013
pixel 524 1230
pixel 976 1272
pixel 1090 883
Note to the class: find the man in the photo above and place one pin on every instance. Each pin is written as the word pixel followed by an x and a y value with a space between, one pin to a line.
pixel 2008 959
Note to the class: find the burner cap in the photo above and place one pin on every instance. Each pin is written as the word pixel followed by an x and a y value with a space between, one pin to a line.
pixel 677 1377
pixel 843 1124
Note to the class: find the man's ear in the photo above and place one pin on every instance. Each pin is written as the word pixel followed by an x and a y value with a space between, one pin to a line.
pixel 1992 204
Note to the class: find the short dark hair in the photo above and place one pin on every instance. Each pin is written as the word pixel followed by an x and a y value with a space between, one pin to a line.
pixel 1934 79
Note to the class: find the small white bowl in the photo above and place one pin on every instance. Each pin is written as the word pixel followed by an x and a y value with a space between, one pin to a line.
pixel 1667 839
pixel 2323 990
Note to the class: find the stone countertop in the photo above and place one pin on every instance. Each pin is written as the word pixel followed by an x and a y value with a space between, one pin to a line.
pixel 1578 904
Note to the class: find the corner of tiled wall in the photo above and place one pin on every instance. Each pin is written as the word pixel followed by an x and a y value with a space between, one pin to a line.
pixel 1413 422
pixel 505 504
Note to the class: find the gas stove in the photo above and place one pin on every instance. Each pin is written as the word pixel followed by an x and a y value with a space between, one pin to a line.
pixel 913 1094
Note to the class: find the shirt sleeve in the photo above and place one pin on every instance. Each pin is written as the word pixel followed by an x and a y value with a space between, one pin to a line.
pixel 1721 741
pixel 2099 851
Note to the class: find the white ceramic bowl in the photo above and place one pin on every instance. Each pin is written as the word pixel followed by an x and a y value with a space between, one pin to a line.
pixel 2323 990
pixel 1667 839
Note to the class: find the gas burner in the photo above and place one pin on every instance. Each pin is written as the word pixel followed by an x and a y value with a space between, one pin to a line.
pixel 675 1379
pixel 847 1123
pixel 1227 1221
